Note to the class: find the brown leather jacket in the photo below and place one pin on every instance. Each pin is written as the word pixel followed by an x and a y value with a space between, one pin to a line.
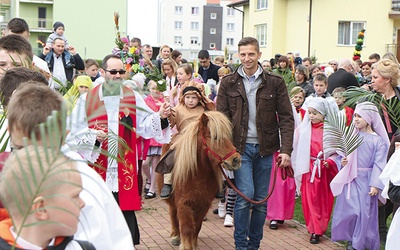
pixel 274 116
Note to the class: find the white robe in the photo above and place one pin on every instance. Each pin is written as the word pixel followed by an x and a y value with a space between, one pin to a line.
pixel 148 125
pixel 392 173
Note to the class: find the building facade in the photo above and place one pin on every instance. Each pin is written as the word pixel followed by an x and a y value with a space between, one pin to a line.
pixel 89 24
pixel 324 29
pixel 190 26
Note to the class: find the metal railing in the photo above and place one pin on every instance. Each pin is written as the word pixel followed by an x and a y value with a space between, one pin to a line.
pixel 396 5
pixel 45 24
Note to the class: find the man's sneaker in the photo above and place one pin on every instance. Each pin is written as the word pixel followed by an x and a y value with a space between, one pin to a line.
pixel 228 221
pixel 166 191
pixel 221 210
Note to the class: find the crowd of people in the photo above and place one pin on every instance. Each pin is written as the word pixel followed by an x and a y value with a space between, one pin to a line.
pixel 121 122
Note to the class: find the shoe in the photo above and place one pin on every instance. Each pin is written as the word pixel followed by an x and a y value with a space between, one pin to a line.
pixel 314 239
pixel 147 187
pixel 166 191
pixel 69 65
pixel 273 225
pixel 215 211
pixel 221 210
pixel 150 195
pixel 280 221
pixel 228 221
pixel 349 246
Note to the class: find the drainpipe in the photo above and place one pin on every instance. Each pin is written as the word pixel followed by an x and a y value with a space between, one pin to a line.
pixel 309 30
pixel 242 18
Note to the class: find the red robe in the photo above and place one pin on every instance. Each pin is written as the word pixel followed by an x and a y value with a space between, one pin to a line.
pixel 349 115
pixel 128 193
pixel 317 198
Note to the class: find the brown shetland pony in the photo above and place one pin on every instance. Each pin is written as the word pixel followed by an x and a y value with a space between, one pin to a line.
pixel 203 145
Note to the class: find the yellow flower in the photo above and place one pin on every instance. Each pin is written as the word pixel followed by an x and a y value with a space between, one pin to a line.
pixel 132 50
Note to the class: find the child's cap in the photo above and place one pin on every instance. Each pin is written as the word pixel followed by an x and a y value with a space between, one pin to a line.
pixel 83 81
pixel 139 78
pixel 125 40
pixel 57 25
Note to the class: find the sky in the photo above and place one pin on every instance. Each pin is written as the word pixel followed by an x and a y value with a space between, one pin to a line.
pixel 142 22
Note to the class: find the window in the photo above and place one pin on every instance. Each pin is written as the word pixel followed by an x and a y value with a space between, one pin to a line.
pixel 41 17
pixel 194 40
pixel 230 11
pixel 178 10
pixel 178 25
pixel 195 10
pixel 230 27
pixel 193 55
pixel 262 4
pixel 261 34
pixel 229 41
pixel 212 46
pixel 213 15
pixel 177 39
pixel 348 31
pixel 194 25
pixel 213 31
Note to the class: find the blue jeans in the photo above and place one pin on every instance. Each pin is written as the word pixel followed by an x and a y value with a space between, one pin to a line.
pixel 252 178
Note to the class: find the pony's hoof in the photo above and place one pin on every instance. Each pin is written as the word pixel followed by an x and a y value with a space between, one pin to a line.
pixel 176 241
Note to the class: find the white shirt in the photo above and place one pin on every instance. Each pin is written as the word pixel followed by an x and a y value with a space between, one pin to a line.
pixel 72 245
pixel 59 72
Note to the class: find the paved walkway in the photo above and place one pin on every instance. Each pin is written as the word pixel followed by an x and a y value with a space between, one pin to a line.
pixel 155 232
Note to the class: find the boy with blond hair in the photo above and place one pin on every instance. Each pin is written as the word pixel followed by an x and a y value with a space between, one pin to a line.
pixel 45 207
pixel 101 221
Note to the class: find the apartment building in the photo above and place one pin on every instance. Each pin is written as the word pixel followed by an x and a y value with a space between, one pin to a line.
pixel 326 29
pixel 190 26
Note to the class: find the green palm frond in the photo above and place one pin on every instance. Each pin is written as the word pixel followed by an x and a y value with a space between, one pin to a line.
pixel 4 136
pixel 338 137
pixel 356 95
pixel 29 183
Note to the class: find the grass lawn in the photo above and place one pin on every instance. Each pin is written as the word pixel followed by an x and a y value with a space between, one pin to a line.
pixel 298 216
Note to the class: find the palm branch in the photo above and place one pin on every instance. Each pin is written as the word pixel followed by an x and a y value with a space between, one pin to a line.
pixel 356 95
pixel 30 183
pixel 339 138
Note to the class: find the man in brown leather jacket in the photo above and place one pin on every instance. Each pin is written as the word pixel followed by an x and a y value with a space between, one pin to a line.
pixel 258 105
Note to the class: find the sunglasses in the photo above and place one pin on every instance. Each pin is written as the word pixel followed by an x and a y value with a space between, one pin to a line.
pixel 114 72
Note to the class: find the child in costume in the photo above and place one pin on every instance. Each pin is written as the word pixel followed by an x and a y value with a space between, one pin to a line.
pixel 154 100
pixel 355 217
pixel 314 169
pixel 47 215
pixel 192 103
pixel 82 84
pixel 338 94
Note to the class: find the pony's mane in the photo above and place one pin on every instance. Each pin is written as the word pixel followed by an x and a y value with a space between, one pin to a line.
pixel 220 130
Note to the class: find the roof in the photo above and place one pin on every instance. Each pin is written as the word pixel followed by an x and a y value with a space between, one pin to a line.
pixel 238 3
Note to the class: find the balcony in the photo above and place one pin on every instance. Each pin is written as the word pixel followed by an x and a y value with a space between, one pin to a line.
pixel 40 24
pixel 37 1
pixel 394 13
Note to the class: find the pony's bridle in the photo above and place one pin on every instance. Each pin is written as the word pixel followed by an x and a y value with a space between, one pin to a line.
pixel 219 158
pixel 286 172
